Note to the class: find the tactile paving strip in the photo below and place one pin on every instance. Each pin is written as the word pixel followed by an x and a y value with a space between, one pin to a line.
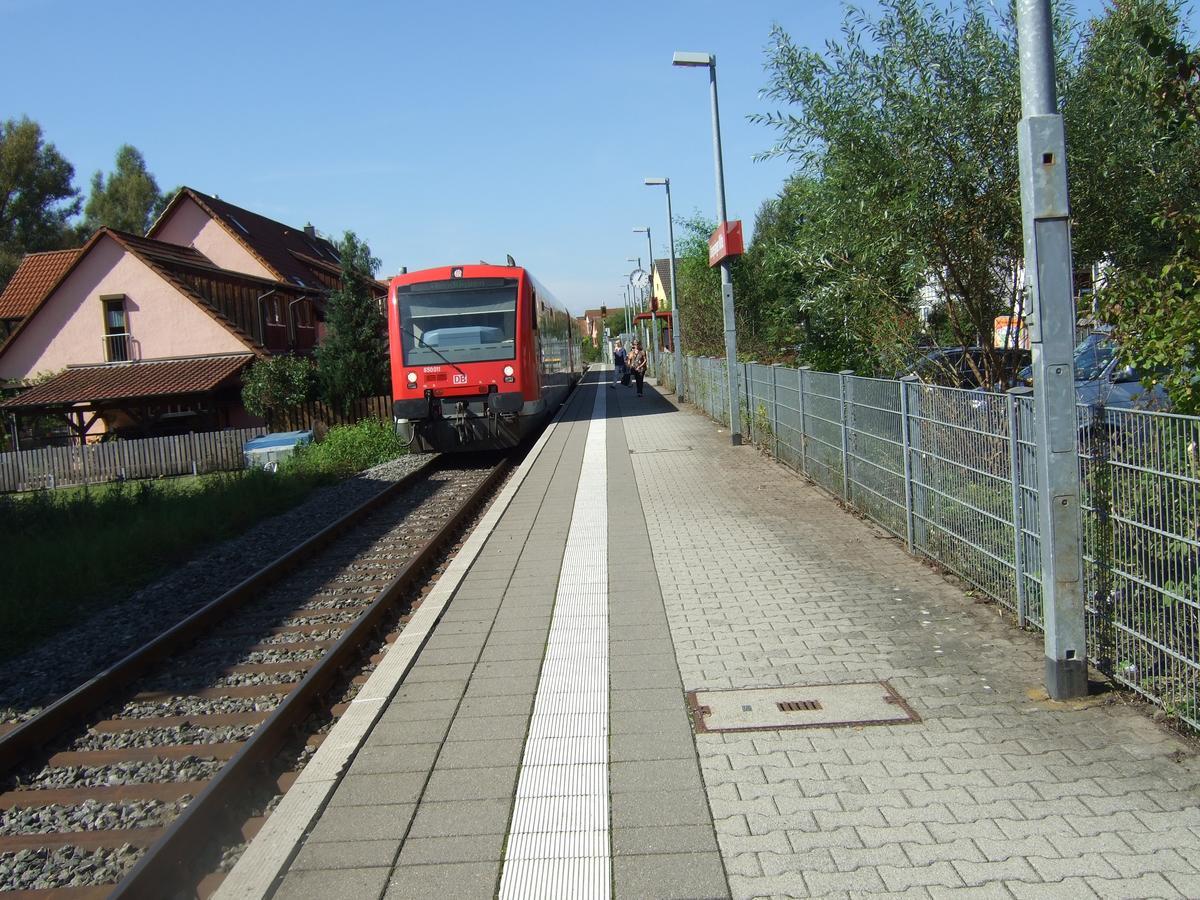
pixel 558 841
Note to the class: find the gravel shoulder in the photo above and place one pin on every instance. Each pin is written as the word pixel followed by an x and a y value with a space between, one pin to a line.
pixel 72 656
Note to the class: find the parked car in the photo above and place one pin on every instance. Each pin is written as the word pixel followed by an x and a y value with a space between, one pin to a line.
pixel 964 367
pixel 1102 379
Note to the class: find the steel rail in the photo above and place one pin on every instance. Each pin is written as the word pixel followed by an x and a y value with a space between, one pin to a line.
pixel 169 865
pixel 29 736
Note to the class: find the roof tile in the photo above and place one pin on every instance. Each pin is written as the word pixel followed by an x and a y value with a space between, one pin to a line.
pixel 136 380
pixel 278 245
pixel 35 276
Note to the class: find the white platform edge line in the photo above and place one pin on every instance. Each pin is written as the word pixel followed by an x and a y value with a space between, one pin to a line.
pixel 273 847
pixel 540 823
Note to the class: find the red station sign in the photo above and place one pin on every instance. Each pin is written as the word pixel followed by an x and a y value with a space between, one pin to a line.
pixel 725 241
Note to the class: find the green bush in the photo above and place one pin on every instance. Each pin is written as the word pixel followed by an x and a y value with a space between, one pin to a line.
pixel 347 449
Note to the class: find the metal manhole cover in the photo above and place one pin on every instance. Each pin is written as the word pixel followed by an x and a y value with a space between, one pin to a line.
pixel 805 706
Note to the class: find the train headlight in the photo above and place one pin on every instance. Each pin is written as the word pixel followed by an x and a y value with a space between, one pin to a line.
pixel 508 375
pixel 412 379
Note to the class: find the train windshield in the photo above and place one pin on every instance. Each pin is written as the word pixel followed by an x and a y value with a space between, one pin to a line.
pixel 460 320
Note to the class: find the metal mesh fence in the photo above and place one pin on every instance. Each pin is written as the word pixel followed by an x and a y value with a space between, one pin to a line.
pixel 954 474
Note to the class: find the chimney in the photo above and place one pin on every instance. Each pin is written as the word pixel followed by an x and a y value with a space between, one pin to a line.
pixel 309 231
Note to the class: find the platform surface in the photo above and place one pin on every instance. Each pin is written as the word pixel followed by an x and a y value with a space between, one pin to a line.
pixel 718 569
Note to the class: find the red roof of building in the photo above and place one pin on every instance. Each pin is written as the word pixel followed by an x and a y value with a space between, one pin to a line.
pixel 272 243
pixel 34 278
pixel 231 298
pixel 662 314
pixel 142 380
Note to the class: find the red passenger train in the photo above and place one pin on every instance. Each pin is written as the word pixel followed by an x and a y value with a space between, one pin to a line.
pixel 481 355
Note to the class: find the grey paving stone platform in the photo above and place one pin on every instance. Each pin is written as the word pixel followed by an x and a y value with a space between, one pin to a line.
pixel 424 807
pixel 993 794
pixel 727 571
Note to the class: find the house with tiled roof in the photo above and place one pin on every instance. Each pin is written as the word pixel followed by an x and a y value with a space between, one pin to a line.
pixel 31 281
pixel 660 287
pixel 244 241
pixel 152 334
pixel 591 323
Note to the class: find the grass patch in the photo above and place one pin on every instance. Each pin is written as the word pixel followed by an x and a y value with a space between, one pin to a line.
pixel 71 553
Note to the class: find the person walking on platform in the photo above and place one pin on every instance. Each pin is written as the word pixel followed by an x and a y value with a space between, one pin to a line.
pixel 620 365
pixel 637 365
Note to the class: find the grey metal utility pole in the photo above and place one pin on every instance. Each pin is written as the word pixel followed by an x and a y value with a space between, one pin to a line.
pixel 1045 213
pixel 666 182
pixel 731 363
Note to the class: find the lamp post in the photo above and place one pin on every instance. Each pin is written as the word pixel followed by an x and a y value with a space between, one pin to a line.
pixel 649 297
pixel 735 420
pixel 666 182
pixel 1045 213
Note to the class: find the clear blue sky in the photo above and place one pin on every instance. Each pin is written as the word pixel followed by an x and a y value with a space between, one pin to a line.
pixel 440 131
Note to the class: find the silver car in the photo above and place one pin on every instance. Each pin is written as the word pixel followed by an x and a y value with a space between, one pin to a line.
pixel 1102 379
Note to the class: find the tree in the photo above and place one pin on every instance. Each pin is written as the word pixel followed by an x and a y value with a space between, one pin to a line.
pixel 273 385
pixel 905 131
pixel 36 195
pixel 352 361
pixel 1153 301
pixel 127 200
pixel 1131 145
pixel 698 289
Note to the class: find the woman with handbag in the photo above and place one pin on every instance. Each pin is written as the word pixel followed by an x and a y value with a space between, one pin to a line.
pixel 637 365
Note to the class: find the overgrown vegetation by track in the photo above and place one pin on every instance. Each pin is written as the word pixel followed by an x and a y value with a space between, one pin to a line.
pixel 70 553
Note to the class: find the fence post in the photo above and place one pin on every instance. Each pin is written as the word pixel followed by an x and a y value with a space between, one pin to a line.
pixel 1014 462
pixel 775 410
pixel 847 399
pixel 195 453
pixel 83 466
pixel 906 449
pixel 1098 486
pixel 747 376
pixel 803 427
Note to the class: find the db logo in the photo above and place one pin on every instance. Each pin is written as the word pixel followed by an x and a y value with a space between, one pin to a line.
pixel 460 379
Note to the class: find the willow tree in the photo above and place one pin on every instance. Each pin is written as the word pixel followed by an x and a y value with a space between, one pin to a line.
pixel 905 131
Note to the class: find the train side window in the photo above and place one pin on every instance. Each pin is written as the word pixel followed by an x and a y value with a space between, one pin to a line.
pixel 533 308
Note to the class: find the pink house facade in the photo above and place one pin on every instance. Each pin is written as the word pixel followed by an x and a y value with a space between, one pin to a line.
pixel 151 334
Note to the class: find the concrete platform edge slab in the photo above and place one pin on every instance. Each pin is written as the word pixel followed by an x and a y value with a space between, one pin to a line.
pixel 268 855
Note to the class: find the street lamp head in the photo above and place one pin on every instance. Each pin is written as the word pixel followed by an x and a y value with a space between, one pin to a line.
pixel 643 230
pixel 683 58
pixel 654 181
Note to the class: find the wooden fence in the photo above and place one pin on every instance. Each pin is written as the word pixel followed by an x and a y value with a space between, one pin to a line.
pixel 184 454
pixel 319 416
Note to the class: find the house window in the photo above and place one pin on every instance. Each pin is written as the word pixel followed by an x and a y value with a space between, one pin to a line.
pixel 304 315
pixel 116 330
pixel 274 311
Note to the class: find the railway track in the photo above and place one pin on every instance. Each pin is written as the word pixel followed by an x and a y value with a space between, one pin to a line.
pixel 135 783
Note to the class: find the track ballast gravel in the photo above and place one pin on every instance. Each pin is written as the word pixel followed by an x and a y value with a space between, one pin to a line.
pixel 73 656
